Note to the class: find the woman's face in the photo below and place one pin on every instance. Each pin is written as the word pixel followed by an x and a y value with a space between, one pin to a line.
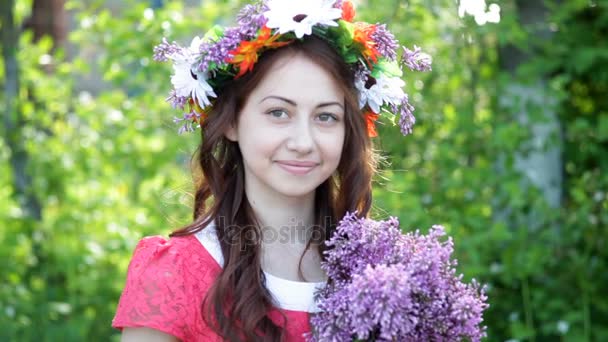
pixel 291 129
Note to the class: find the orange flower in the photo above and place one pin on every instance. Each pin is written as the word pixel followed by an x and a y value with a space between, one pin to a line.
pixel 363 35
pixel 246 54
pixel 370 119
pixel 194 107
pixel 348 11
pixel 202 118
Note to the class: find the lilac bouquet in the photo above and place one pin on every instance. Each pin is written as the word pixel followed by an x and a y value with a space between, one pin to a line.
pixel 388 286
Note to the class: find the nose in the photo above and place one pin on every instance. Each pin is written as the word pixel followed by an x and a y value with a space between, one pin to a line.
pixel 301 139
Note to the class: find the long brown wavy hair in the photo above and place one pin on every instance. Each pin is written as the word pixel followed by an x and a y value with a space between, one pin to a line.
pixel 237 304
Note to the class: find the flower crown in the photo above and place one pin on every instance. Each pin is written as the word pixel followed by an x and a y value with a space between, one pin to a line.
pixel 227 53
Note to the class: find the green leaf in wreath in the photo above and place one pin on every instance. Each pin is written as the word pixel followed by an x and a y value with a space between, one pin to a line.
pixel 387 68
pixel 214 34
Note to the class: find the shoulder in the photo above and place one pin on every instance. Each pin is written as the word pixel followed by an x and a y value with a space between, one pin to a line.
pixel 158 249
pixel 176 256
pixel 166 282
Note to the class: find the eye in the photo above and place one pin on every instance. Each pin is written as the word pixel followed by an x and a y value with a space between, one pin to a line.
pixel 327 117
pixel 277 113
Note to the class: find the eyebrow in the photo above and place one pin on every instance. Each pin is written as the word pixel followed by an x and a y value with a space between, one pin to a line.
pixel 293 103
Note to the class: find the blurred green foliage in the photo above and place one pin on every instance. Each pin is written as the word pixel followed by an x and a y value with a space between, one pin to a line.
pixel 109 168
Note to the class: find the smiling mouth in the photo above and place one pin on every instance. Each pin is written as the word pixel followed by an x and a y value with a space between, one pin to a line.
pixel 297 169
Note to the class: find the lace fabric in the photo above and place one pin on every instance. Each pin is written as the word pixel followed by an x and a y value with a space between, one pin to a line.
pixel 166 283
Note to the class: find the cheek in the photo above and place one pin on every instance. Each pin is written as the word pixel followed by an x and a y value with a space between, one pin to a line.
pixel 253 135
pixel 332 146
pixel 258 145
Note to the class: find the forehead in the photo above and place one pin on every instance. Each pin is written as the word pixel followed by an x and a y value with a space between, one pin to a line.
pixel 299 78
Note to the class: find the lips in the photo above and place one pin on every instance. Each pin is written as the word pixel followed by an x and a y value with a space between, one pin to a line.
pixel 297 163
pixel 297 167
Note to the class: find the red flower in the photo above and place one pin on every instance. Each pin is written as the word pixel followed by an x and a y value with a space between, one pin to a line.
pixel 370 119
pixel 363 35
pixel 348 11
pixel 246 54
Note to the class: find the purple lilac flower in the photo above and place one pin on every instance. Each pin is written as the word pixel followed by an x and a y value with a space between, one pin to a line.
pixel 250 20
pixel 177 101
pixel 246 13
pixel 416 60
pixel 163 50
pixel 202 49
pixel 411 293
pixel 188 121
pixel 448 309
pixel 385 302
pixel 385 42
pixel 251 17
pixel 406 115
pixel 218 52
pixel 354 248
pixel 466 310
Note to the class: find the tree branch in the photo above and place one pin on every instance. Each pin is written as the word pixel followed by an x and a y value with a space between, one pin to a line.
pixel 19 158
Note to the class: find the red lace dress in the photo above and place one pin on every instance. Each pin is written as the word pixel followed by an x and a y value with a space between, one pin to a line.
pixel 167 280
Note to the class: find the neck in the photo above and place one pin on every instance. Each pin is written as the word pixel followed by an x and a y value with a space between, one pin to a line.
pixel 283 219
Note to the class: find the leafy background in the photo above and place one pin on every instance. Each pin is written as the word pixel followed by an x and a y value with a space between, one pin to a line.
pixel 509 153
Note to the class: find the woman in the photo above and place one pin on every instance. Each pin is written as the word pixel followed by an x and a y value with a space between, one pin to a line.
pixel 285 153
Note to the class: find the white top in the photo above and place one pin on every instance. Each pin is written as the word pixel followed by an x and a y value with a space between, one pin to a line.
pixel 288 294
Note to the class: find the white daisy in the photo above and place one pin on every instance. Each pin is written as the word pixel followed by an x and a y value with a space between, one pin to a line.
pixel 186 80
pixel 301 16
pixel 385 90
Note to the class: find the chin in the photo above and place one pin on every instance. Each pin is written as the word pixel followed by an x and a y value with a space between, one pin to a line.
pixel 295 191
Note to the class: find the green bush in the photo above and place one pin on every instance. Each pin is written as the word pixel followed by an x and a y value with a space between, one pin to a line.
pixel 108 167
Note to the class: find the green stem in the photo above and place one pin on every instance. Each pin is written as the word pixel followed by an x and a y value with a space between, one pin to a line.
pixel 528 308
pixel 586 316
